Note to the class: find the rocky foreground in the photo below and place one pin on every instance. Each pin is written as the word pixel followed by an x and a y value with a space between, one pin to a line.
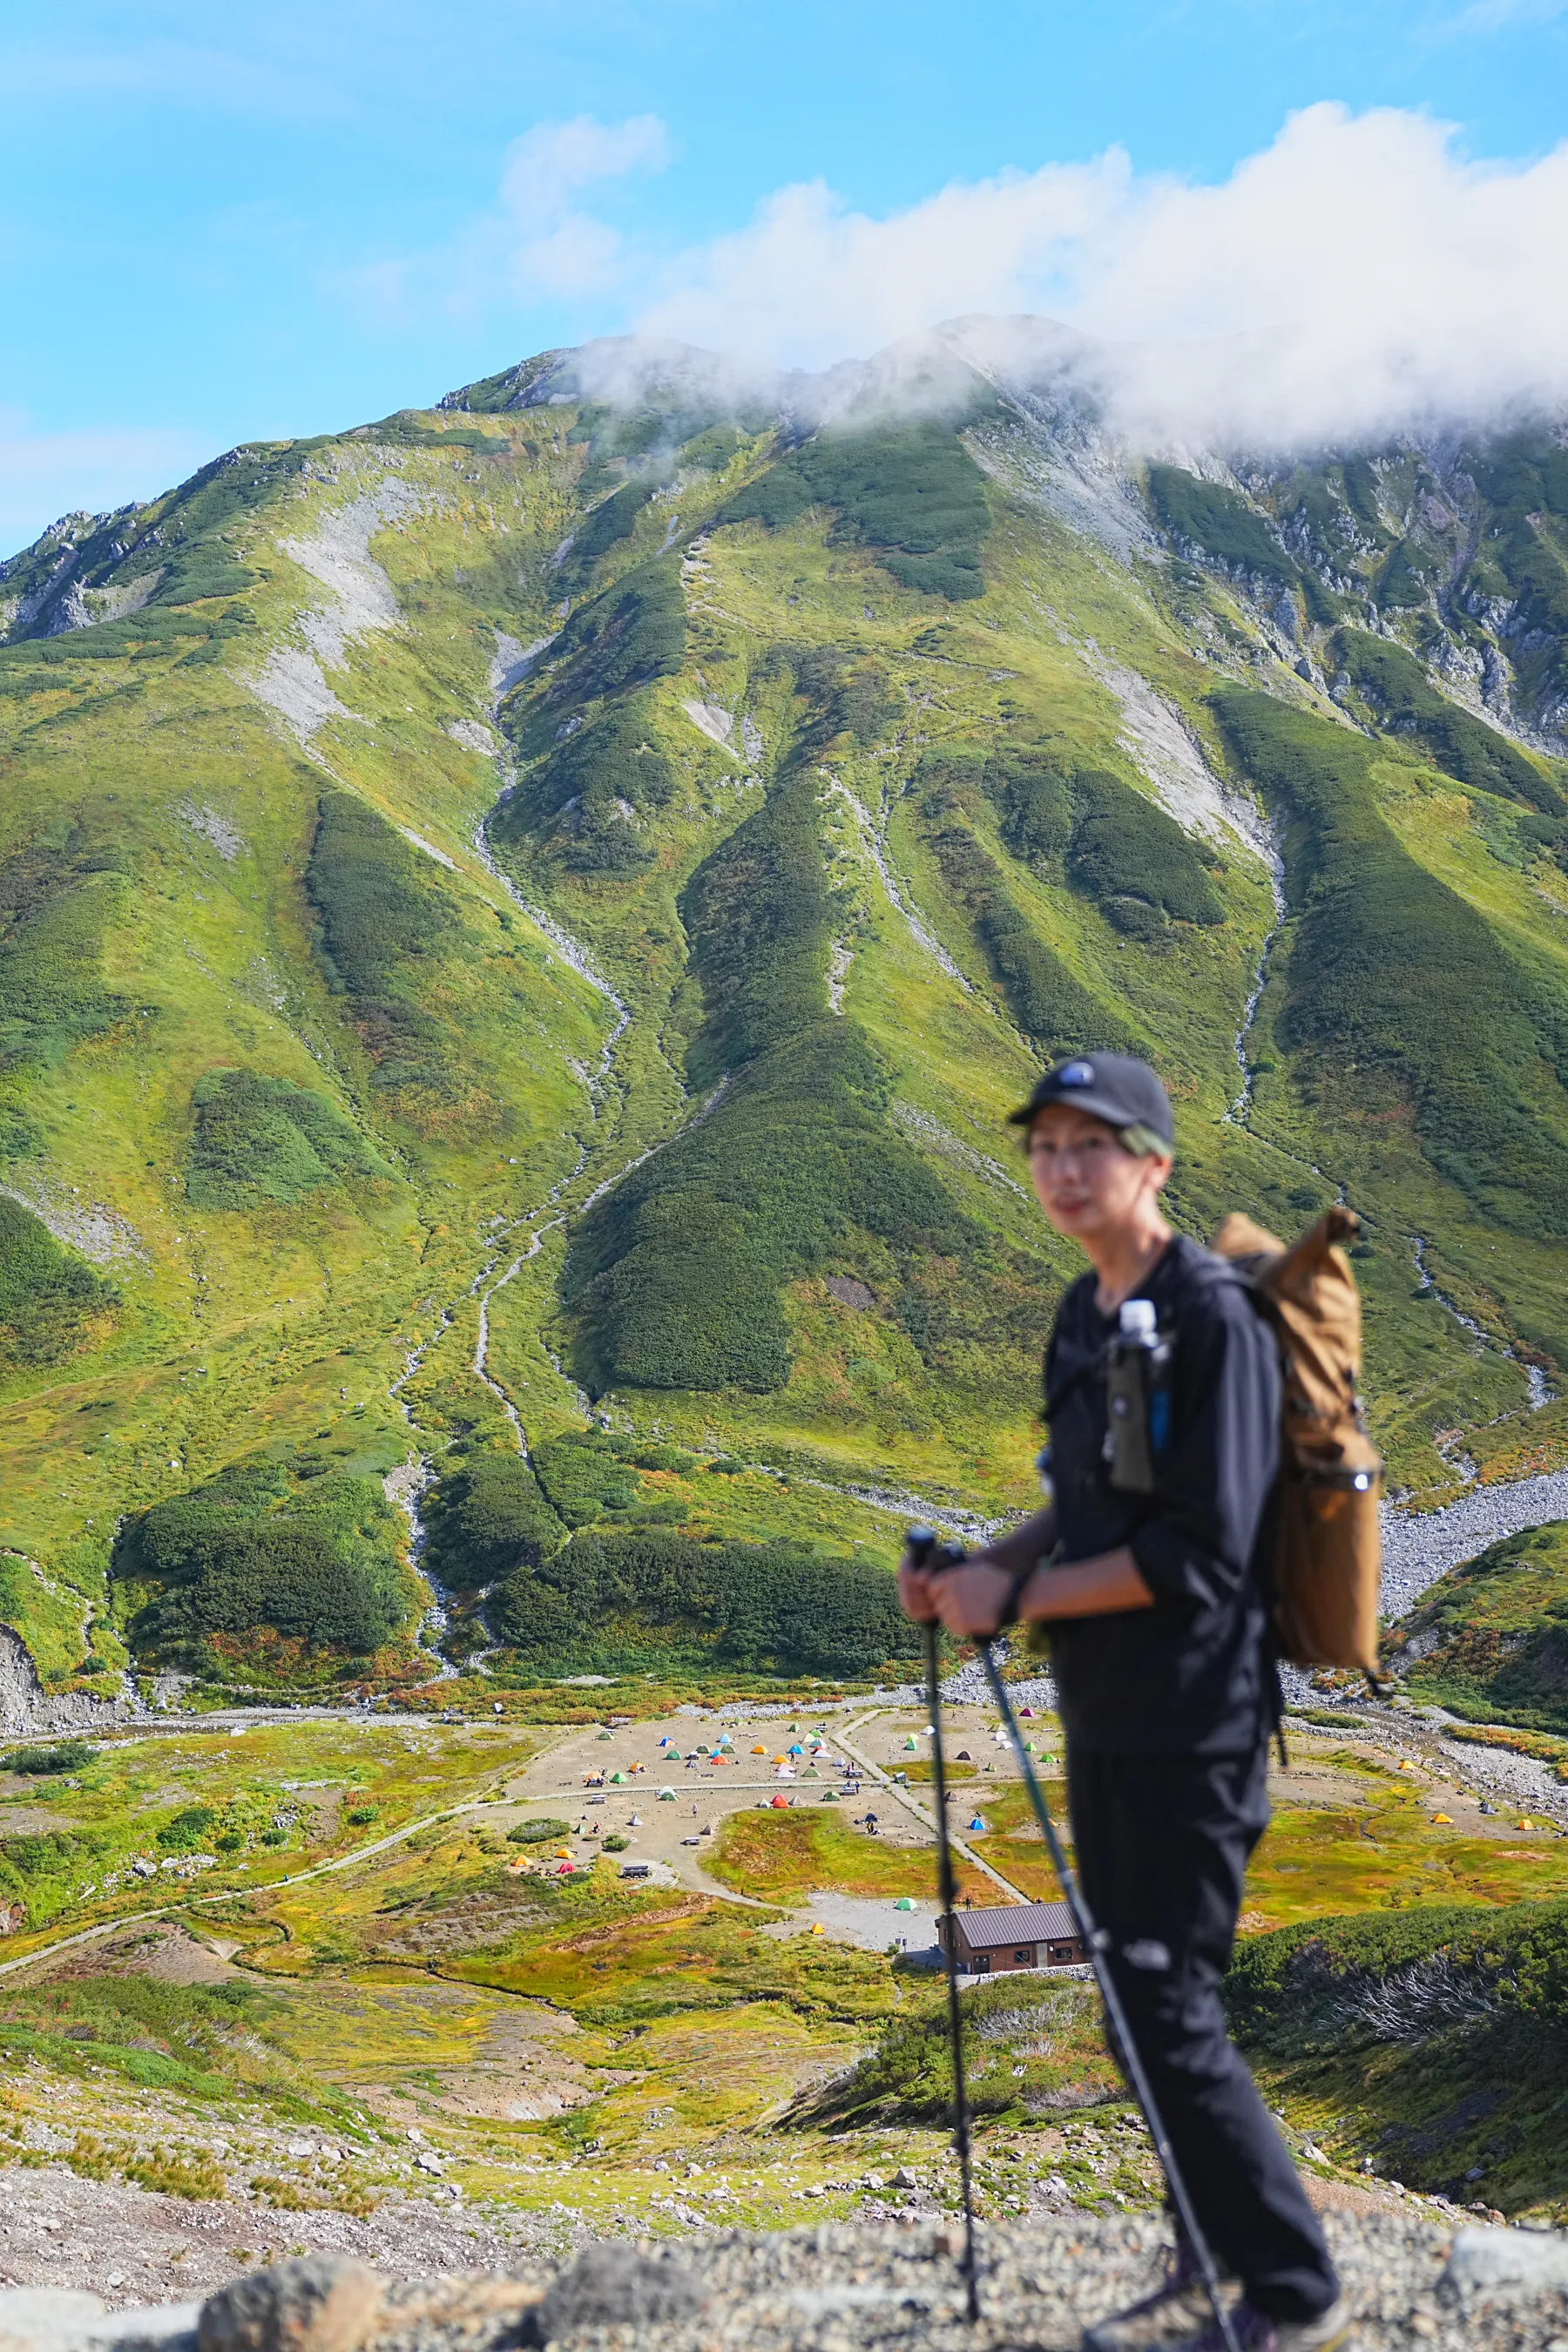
pixel 836 2289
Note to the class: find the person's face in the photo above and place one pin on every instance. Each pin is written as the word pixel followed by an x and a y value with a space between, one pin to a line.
pixel 1084 1181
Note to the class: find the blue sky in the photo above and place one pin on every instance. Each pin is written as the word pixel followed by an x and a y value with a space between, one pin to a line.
pixel 219 224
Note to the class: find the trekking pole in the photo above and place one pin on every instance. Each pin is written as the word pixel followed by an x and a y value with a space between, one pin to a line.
pixel 1097 1943
pixel 948 1892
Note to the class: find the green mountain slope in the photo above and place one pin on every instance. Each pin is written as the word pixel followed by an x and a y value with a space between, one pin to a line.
pixel 529 915
pixel 1488 1642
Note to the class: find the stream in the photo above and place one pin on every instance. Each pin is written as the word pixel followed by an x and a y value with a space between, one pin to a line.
pixel 406 1486
pixel 1237 1115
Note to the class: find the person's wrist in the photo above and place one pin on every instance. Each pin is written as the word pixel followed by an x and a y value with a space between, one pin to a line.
pixel 1012 1606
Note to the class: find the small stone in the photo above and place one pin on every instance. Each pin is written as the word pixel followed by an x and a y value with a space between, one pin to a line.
pixel 614 2286
pixel 321 2302
pixel 37 2318
pixel 1485 2260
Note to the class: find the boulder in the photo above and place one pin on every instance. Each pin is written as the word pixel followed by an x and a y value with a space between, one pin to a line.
pixel 616 2286
pixel 319 2303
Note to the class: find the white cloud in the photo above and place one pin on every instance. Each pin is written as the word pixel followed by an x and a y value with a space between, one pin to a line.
pixel 95 468
pixel 1357 274
pixel 535 243
pixel 552 247
pixel 808 281
pixel 545 168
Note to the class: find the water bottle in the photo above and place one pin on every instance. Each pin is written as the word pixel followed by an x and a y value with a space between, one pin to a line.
pixel 1130 1363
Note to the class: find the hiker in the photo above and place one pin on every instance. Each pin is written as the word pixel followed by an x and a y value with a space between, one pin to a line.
pixel 1159 1637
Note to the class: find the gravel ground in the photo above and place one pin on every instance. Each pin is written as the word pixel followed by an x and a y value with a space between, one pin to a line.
pixel 1419 1547
pixel 838 2289
pixel 132 2245
pixel 1522 1777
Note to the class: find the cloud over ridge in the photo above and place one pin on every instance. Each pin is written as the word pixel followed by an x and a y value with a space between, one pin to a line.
pixel 1356 278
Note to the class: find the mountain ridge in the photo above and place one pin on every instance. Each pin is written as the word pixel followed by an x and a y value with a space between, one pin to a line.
pixel 469 878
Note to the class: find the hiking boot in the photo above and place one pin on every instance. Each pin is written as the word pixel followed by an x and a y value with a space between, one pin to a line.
pixel 1256 2332
pixel 1174 2314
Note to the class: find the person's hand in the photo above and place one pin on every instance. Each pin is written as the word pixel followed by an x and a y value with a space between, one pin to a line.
pixel 917 1591
pixel 969 1599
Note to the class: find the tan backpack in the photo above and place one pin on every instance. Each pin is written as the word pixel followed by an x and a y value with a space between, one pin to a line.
pixel 1328 1552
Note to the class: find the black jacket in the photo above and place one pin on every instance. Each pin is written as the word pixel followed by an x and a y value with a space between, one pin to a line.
pixel 1192 1675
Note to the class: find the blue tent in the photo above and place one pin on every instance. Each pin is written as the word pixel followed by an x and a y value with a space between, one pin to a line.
pixel 977 1823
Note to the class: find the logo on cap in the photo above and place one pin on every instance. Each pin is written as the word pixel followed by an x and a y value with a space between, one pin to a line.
pixel 1077 1073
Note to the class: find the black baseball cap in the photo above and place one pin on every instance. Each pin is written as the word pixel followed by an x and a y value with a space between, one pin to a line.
pixel 1112 1087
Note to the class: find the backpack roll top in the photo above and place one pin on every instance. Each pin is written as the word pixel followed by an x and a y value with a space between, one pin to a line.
pixel 1328 1555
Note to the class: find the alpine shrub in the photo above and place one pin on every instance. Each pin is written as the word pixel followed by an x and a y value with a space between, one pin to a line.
pixel 1216 522
pixel 1044 996
pixel 52 1303
pixel 1397 689
pixel 1304 1990
pixel 585 1479
pixel 619 1601
pixel 60 891
pixel 253 1549
pixel 384 914
pixel 1124 845
pixel 261 1140
pixel 65 1756
pixel 632 633
pixel 911 492
pixel 614 520
pixel 678 1270
pixel 486 1518
pixel 759 916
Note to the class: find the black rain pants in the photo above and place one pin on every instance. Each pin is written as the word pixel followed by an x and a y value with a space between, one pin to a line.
pixel 1162 1843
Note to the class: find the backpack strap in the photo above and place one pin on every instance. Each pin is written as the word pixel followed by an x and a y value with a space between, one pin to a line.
pixel 1056 1398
